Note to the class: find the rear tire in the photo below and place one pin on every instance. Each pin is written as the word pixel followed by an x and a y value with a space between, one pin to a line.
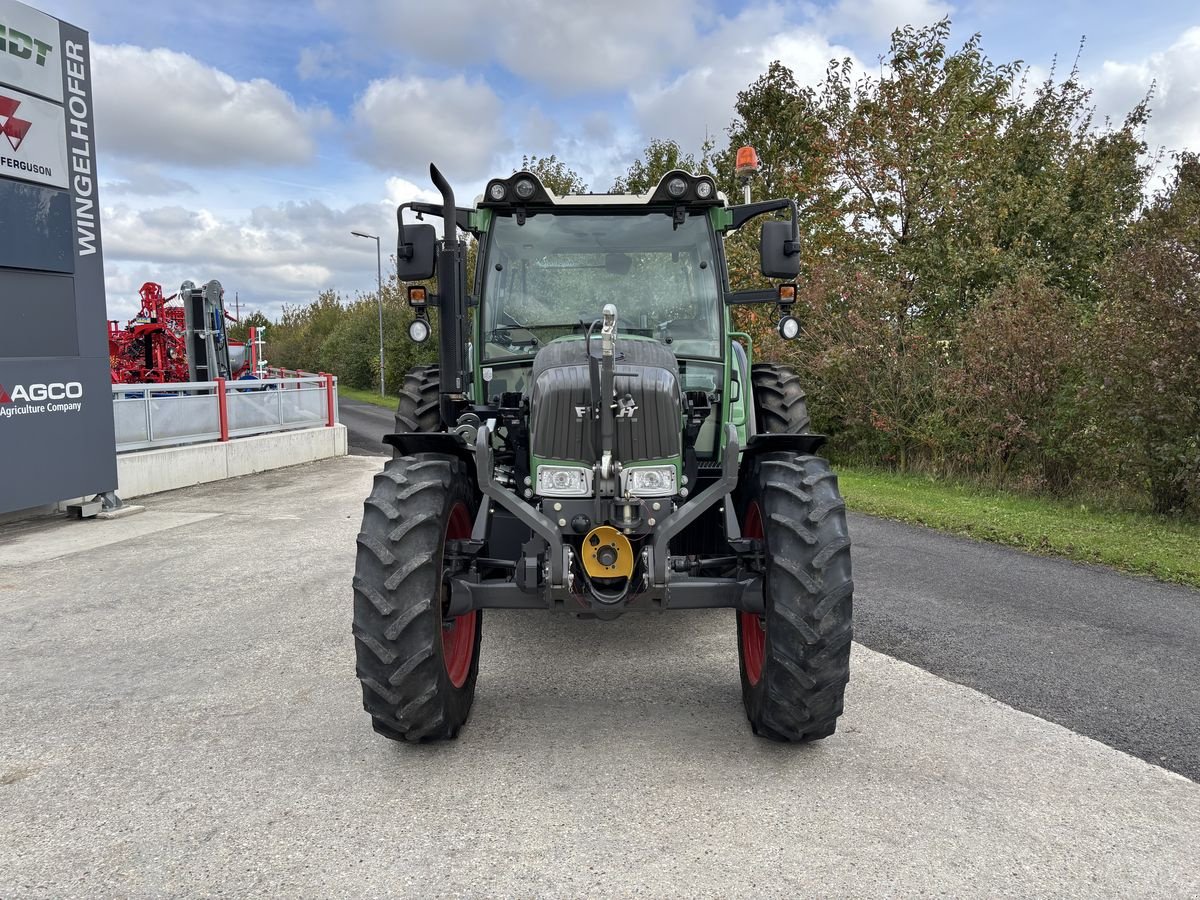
pixel 795 659
pixel 780 403
pixel 418 671
pixel 419 408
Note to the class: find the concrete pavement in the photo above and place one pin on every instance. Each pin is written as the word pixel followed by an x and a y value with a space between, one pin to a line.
pixel 181 718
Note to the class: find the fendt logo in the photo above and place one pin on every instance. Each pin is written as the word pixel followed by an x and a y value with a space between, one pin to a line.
pixel 32 399
pixel 24 46
pixel 10 126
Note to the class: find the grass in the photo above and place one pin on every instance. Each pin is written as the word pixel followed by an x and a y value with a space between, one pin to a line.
pixel 1165 548
pixel 367 396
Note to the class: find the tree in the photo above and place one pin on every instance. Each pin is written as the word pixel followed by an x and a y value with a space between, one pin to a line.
pixel 241 331
pixel 554 174
pixel 659 158
pixel 1144 389
pixel 913 152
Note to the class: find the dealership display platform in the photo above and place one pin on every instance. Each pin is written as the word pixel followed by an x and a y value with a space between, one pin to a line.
pixel 175 725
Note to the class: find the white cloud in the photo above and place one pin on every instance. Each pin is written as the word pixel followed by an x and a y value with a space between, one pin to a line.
pixel 879 18
pixel 144 180
pixel 451 31
pixel 1175 107
pixel 271 255
pixel 403 124
pixel 170 107
pixel 321 61
pixel 595 46
pixel 701 100
pixel 561 46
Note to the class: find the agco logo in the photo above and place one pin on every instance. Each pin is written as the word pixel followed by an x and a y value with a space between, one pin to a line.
pixel 10 126
pixel 40 399
pixel 56 390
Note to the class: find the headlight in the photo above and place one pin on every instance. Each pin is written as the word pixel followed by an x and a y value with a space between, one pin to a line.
pixel 524 188
pixel 704 189
pixel 497 191
pixel 650 481
pixel 418 331
pixel 564 481
pixel 676 187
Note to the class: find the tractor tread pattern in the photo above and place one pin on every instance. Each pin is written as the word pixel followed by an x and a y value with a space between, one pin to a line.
pixel 419 408
pixel 397 601
pixel 780 403
pixel 806 665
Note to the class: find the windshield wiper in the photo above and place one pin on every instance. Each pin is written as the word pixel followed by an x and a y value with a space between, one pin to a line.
pixel 503 330
pixel 500 335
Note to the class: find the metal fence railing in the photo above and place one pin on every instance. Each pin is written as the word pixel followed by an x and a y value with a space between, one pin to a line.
pixel 164 415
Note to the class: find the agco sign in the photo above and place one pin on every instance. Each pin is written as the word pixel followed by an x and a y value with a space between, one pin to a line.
pixel 33 399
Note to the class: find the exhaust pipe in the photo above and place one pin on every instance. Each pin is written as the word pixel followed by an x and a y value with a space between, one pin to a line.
pixel 452 305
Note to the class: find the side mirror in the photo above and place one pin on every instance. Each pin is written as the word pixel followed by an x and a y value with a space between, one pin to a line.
pixel 416 253
pixel 774 259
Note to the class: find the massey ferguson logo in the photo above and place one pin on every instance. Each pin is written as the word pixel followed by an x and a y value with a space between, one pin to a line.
pixel 10 126
pixel 32 399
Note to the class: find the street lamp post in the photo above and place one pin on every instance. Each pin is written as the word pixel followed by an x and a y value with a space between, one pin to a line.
pixel 379 298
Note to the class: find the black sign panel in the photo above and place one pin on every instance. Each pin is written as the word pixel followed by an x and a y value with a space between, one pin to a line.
pixel 56 418
pixel 35 229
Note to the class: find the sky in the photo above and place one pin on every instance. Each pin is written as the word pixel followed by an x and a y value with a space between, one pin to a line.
pixel 244 140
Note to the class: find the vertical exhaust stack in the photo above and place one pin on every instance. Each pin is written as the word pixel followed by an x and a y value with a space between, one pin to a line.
pixel 452 303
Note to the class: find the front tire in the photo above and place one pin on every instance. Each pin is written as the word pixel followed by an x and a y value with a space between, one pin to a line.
pixel 418 669
pixel 795 658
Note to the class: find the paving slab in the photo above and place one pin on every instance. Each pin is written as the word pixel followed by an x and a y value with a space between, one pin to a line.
pixel 181 718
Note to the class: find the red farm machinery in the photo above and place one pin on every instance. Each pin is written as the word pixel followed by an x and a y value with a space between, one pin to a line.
pixel 181 338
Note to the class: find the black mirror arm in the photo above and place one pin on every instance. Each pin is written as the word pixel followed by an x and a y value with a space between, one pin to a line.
pixel 462 218
pixel 403 250
pixel 747 211
pixel 792 247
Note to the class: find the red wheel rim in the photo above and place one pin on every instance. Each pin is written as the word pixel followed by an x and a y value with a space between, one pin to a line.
pixel 753 636
pixel 458 637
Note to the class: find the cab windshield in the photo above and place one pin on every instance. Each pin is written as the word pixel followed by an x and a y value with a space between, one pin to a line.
pixel 552 276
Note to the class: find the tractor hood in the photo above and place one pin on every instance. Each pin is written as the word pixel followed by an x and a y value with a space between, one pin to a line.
pixel 649 405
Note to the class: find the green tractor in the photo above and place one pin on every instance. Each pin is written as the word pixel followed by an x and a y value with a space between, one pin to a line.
pixel 595 440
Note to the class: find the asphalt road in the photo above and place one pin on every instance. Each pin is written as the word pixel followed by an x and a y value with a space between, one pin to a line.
pixel 1107 655
pixel 1111 656
pixel 181 718
pixel 365 425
